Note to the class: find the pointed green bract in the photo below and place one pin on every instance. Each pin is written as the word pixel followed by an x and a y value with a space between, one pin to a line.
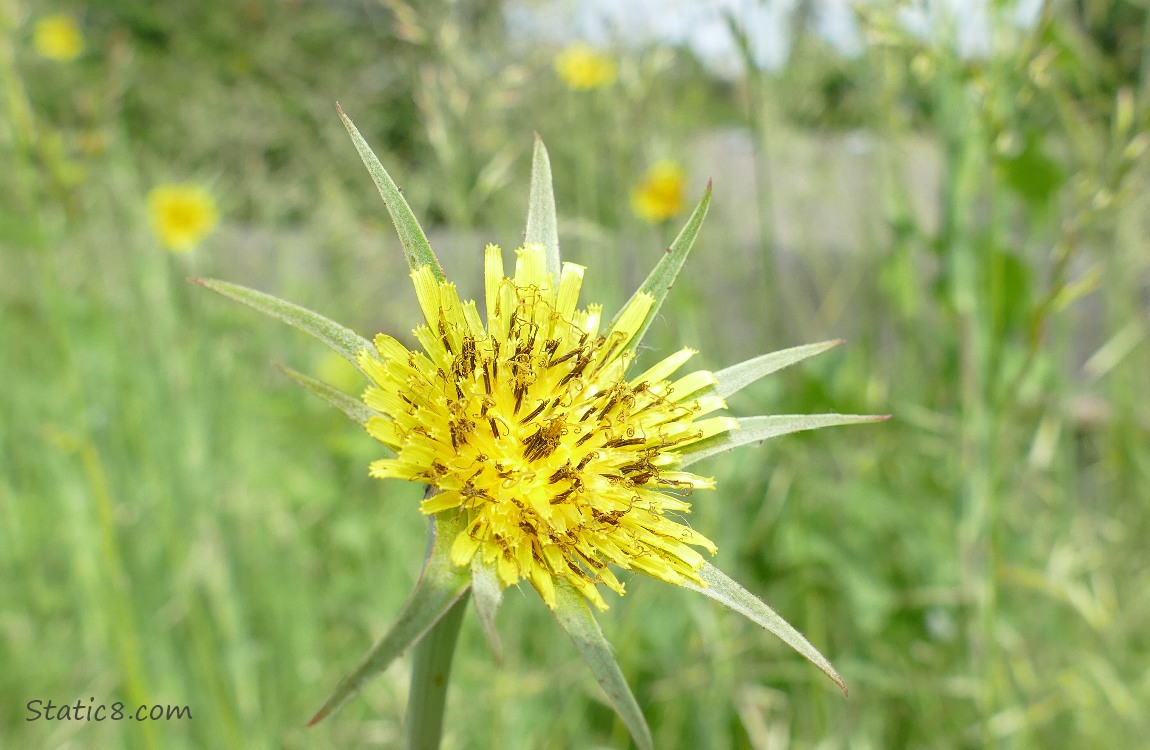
pixel 344 341
pixel 439 587
pixel 758 429
pixel 727 592
pixel 356 410
pixel 659 282
pixel 415 245
pixel 574 615
pixel 542 224
pixel 488 595
pixel 736 377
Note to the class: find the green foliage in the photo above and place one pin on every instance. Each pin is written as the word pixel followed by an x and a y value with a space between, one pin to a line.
pixel 180 524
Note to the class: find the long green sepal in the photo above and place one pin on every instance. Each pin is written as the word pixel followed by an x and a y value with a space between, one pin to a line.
pixel 344 341
pixel 575 617
pixel 758 429
pixel 356 410
pixel 542 224
pixel 488 595
pixel 662 277
pixel 430 675
pixel 415 245
pixel 727 592
pixel 440 586
pixel 736 377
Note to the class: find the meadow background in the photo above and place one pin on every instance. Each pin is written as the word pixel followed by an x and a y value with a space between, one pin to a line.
pixel 181 525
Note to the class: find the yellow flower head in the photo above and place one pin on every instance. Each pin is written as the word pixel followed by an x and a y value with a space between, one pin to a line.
pixel 582 67
pixel 530 426
pixel 660 195
pixel 57 37
pixel 181 215
pixel 544 459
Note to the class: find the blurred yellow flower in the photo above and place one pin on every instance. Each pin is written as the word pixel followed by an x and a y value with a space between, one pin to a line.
pixel 57 37
pixel 181 215
pixel 660 195
pixel 582 67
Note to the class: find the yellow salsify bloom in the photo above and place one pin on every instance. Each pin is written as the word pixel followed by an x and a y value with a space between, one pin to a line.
pixel 659 196
pixel 582 67
pixel 530 427
pixel 181 215
pixel 57 37
pixel 544 460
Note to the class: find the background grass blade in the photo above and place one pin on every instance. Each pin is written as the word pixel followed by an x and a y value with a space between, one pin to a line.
pixel 736 377
pixel 758 429
pixel 344 341
pixel 575 616
pixel 727 592
pixel 658 284
pixel 415 245
pixel 440 586
pixel 542 224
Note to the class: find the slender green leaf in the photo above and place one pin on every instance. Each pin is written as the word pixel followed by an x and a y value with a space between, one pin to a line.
pixel 575 617
pixel 542 224
pixel 737 377
pixel 430 675
pixel 722 589
pixel 356 410
pixel 439 587
pixel 415 245
pixel 488 595
pixel 346 342
pixel 758 429
pixel 662 278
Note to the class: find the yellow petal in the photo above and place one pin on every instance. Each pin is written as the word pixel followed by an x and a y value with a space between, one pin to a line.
pixel 492 278
pixel 662 370
pixel 531 267
pixel 692 383
pixel 570 280
pixel 543 583
pixel 427 291
pixel 463 549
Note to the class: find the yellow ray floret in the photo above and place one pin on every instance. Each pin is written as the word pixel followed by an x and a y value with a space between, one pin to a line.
pixel 529 428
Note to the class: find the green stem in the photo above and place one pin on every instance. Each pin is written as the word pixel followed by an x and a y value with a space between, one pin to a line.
pixel 430 673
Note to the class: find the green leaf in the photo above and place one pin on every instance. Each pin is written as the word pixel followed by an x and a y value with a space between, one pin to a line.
pixel 439 587
pixel 737 377
pixel 722 589
pixel 752 429
pixel 356 410
pixel 346 342
pixel 415 245
pixel 575 617
pixel 542 225
pixel 488 595
pixel 1032 173
pixel 662 278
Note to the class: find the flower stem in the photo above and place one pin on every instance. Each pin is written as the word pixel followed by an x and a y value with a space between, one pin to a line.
pixel 430 672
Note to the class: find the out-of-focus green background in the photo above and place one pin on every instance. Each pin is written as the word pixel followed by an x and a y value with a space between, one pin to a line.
pixel 179 525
